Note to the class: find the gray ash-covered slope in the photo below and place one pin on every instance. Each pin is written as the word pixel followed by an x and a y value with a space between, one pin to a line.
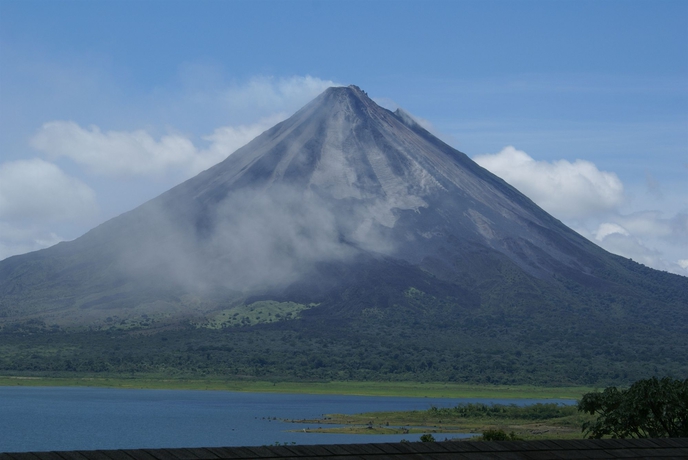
pixel 345 205
pixel 382 175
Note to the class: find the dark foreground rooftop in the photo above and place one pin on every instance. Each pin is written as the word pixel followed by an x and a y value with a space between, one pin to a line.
pixel 570 449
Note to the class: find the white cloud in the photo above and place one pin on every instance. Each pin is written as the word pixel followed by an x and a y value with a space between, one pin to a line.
pixel 203 98
pixel 564 189
pixel 20 239
pixel 39 202
pixel 226 140
pixel 113 153
pixel 628 246
pixel 606 229
pixel 648 225
pixel 648 237
pixel 589 200
pixel 653 224
pixel 646 251
pixel 138 153
pixel 40 191
pixel 34 196
pixel 273 95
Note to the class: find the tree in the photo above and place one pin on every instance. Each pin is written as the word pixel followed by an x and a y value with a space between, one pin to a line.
pixel 650 408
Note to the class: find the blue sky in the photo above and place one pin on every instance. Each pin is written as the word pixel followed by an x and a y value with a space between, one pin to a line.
pixel 582 105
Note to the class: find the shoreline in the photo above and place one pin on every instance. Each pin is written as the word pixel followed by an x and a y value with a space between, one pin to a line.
pixel 357 388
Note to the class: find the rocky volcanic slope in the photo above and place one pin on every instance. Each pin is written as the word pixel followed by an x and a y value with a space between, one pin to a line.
pixel 348 218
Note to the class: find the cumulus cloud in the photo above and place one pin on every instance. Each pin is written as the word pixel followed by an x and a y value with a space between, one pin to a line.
pixel 606 229
pixel 647 225
pixel 204 98
pixel 589 200
pixel 19 239
pixel 647 237
pixel 268 95
pixel 562 188
pixel 226 140
pixel 654 224
pixel 38 201
pixel 34 195
pixel 629 246
pixel 40 191
pixel 112 152
pixel 643 250
pixel 138 153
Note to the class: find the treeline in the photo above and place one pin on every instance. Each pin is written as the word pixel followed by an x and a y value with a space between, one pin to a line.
pixel 538 411
pixel 515 338
pixel 380 352
pixel 650 408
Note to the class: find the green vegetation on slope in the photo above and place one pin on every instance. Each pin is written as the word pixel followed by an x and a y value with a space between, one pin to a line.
pixel 521 331
pixel 267 311
pixel 376 352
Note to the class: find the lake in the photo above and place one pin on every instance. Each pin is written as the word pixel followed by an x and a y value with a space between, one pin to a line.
pixel 74 418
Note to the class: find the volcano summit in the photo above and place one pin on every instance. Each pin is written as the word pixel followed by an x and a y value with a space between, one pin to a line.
pixel 346 220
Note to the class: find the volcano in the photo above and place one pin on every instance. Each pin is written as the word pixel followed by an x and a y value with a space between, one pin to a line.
pixel 342 215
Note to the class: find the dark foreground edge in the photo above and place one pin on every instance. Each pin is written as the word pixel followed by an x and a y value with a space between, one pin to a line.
pixel 551 449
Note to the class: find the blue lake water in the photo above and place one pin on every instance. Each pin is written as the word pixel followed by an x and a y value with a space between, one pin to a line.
pixel 55 418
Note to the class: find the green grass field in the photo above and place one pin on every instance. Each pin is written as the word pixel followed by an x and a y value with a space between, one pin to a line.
pixel 410 389
pixel 527 422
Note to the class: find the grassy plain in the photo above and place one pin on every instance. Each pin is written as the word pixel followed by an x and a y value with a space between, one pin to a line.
pixel 409 389
pixel 569 428
pixel 560 423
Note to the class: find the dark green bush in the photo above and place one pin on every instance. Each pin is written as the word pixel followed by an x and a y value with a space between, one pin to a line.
pixel 499 435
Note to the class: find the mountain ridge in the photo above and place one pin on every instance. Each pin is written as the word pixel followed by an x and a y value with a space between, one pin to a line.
pixel 350 224
pixel 364 170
